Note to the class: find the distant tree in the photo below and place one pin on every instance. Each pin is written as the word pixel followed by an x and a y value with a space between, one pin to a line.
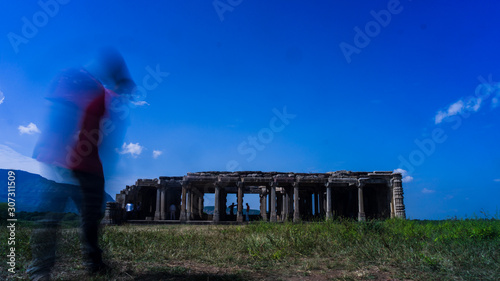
pixel 70 217
pixel 3 213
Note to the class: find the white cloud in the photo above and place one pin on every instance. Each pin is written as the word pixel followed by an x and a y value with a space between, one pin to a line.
pixel 407 179
pixel 439 117
pixel 454 109
pixel 487 88
pixel 2 97
pixel 157 153
pixel 30 129
pixel 139 103
pixel 427 191
pixel 472 104
pixel 399 170
pixel 133 149
pixel 404 174
pixel 497 180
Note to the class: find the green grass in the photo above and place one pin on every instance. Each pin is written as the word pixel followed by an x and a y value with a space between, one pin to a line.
pixel 335 250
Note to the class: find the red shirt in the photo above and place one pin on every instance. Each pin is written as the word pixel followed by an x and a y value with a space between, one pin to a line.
pixel 73 134
pixel 86 148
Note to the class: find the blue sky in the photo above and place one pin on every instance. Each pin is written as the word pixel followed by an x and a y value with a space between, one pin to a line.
pixel 371 85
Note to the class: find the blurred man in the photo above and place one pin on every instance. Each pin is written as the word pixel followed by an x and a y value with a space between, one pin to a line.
pixel 80 119
pixel 248 212
pixel 173 209
pixel 231 209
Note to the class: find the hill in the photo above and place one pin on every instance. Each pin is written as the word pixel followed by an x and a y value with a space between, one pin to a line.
pixel 29 188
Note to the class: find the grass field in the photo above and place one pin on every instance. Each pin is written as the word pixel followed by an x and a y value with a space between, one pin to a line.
pixel 337 250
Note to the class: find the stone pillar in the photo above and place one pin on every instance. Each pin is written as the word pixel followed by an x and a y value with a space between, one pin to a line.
pixel 158 206
pixel 329 214
pixel 111 213
pixel 296 212
pixel 189 204
pixel 216 217
pixel 391 206
pixel 361 206
pixel 239 214
pixel 193 205
pixel 183 204
pixel 269 202
pixel 263 204
pixel 308 203
pixel 284 211
pixel 321 204
pixel 390 198
pixel 324 203
pixel 200 206
pixel 279 206
pixel 316 202
pixel 272 203
pixel 399 205
pixel 163 201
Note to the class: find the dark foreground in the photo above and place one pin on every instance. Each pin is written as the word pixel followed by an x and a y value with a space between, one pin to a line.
pixel 338 250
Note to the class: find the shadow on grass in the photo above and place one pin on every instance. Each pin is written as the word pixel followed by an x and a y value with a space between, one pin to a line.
pixel 181 273
pixel 187 276
pixel 172 275
pixel 167 274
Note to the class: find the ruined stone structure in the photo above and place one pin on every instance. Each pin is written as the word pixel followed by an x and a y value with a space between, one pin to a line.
pixel 283 196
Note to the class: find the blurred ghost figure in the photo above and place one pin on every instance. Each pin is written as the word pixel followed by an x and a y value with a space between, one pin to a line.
pixel 84 124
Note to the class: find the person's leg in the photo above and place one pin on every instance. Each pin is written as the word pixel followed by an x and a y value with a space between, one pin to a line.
pixel 92 195
pixel 44 236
